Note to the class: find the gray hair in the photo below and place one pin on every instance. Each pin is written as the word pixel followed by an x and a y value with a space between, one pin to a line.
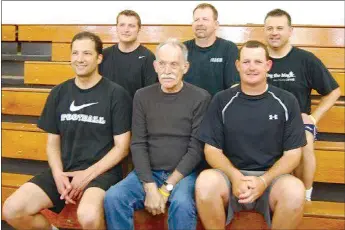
pixel 174 42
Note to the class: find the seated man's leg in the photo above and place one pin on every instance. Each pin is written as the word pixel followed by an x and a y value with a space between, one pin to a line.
pixel 306 169
pixel 90 210
pixel 286 200
pixel 212 198
pixel 22 208
pixel 121 200
pixel 182 210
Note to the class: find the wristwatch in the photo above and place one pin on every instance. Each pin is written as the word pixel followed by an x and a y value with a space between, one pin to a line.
pixel 168 186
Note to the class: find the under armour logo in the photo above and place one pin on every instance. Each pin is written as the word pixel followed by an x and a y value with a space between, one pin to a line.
pixel 273 117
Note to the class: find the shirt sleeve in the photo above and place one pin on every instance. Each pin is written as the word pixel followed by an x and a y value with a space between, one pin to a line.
pixel 194 153
pixel 149 73
pixel 139 145
pixel 294 134
pixel 321 79
pixel 121 111
pixel 231 75
pixel 48 120
pixel 211 128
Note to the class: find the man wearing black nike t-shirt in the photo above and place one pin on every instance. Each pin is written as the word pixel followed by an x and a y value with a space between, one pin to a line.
pixel 253 135
pixel 128 63
pixel 88 121
pixel 299 71
pixel 212 59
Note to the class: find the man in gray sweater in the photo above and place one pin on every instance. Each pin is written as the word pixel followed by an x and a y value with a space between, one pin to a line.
pixel 165 152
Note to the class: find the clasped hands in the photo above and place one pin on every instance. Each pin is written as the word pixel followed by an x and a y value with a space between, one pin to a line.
pixel 248 189
pixel 155 201
pixel 72 191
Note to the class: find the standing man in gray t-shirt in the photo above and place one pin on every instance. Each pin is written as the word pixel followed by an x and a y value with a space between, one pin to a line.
pixel 165 152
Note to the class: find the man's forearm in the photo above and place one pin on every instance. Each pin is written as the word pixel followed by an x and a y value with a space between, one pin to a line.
pixel 286 164
pixel 326 103
pixel 216 159
pixel 112 158
pixel 54 153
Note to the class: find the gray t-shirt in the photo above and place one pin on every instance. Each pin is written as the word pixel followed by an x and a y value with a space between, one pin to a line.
pixel 164 129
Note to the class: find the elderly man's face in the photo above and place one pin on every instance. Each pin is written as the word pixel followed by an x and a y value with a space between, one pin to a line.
pixel 170 66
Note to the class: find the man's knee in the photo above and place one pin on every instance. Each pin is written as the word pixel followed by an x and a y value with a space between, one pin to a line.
pixel 290 193
pixel 13 209
pixel 89 216
pixel 208 184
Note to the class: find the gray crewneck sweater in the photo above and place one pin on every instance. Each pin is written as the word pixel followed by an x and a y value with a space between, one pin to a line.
pixel 164 127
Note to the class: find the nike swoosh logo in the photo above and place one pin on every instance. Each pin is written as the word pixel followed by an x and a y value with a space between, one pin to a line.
pixel 140 57
pixel 74 108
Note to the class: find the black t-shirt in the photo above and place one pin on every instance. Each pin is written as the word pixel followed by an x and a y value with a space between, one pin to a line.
pixel 299 72
pixel 132 70
pixel 86 120
pixel 212 68
pixel 253 131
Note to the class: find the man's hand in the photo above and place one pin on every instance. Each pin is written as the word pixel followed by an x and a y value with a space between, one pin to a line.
pixel 154 201
pixel 63 186
pixel 256 186
pixel 80 180
pixel 240 187
pixel 306 119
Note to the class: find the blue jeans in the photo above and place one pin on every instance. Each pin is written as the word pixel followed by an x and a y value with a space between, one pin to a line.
pixel 123 198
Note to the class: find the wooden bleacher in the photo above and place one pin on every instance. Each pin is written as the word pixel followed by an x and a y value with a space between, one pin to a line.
pixel 25 141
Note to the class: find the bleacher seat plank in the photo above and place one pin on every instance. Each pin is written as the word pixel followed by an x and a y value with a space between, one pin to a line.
pixel 53 73
pixel 326 214
pixel 20 127
pixel 23 102
pixel 30 102
pixel 31 145
pixel 331 57
pixel 8 33
pixel 330 145
pixel 330 166
pixel 24 145
pixel 47 73
pixel 340 78
pixel 325 209
pixel 316 223
pixel 333 121
pixel 317 36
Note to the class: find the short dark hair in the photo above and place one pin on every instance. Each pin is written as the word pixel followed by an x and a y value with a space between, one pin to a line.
pixel 129 13
pixel 91 36
pixel 207 5
pixel 279 13
pixel 254 44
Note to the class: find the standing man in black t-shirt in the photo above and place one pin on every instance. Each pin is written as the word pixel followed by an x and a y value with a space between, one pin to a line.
pixel 87 120
pixel 299 71
pixel 128 63
pixel 253 135
pixel 212 59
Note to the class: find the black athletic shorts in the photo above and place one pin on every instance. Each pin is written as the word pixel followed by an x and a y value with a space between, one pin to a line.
pixel 46 182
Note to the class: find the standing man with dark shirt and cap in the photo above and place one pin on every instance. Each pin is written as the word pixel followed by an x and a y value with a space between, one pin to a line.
pixel 128 63
pixel 212 59
pixel 299 71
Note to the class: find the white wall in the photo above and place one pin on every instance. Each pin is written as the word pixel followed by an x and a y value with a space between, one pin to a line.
pixel 169 12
